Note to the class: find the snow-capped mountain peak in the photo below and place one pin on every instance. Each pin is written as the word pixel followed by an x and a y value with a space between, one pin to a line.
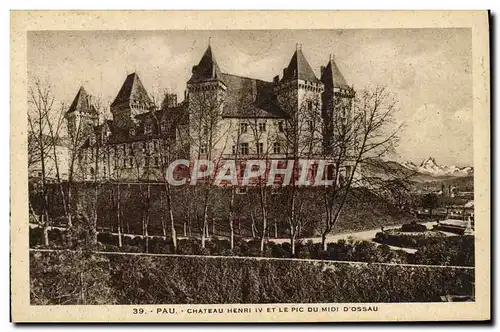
pixel 429 162
pixel 431 167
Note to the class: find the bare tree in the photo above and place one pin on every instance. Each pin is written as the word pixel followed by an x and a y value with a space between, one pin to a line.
pixel 301 141
pixel 40 104
pixel 367 134
pixel 208 140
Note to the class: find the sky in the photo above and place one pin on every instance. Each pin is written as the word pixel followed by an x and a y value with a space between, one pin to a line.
pixel 428 70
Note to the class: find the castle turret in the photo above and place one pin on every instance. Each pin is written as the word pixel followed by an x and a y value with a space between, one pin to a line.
pixel 337 100
pixel 132 99
pixel 206 94
pixel 81 116
pixel 299 95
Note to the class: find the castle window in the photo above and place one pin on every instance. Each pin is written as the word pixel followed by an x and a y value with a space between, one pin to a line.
pixel 155 145
pixel 281 127
pixel 146 161
pixel 144 147
pixel 242 171
pixel 157 161
pixel 234 149
pixel 243 127
pixel 203 149
pixel 309 105
pixel 131 162
pixel 260 148
pixel 244 148
pixel 262 127
pixel 125 163
pixel 276 148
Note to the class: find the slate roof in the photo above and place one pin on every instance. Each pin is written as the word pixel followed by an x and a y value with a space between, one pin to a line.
pixel 207 69
pixel 332 77
pixel 299 68
pixel 81 103
pixel 249 97
pixel 133 92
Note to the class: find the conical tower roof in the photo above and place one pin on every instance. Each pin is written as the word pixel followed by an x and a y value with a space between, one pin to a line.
pixel 299 68
pixel 332 77
pixel 133 92
pixel 82 103
pixel 207 69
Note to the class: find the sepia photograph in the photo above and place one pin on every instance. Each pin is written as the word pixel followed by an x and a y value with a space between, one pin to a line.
pixel 203 172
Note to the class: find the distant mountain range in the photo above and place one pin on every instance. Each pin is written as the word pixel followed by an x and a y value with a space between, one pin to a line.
pixel 430 166
pixel 428 170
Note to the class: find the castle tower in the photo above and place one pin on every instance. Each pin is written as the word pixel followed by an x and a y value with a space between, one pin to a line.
pixel 337 101
pixel 205 96
pixel 81 116
pixel 132 99
pixel 299 95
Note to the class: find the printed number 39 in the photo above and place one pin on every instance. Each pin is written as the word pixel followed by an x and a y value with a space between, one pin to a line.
pixel 136 311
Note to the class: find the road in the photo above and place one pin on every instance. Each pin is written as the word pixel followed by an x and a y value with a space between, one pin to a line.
pixel 367 235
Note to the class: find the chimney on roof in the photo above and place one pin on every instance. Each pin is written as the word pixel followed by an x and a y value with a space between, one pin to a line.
pixel 276 79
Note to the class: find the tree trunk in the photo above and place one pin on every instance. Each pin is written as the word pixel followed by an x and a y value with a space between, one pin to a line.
pixel 231 219
pixel 203 235
pixel 172 229
pixel 263 234
pixel 162 219
pixel 275 230
pixel 119 236
pixel 184 228
pixel 231 231
pixel 324 244
pixel 94 217
pixel 45 230
pixel 82 289
pixel 292 244
pixel 253 224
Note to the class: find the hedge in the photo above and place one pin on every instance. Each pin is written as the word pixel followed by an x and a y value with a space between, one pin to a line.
pixel 124 279
pixel 408 240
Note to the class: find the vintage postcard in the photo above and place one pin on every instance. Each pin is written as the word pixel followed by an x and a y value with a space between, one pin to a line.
pixel 250 166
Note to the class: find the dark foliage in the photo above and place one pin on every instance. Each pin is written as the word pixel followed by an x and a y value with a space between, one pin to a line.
pixel 413 227
pixel 150 280
pixel 453 250
pixel 400 239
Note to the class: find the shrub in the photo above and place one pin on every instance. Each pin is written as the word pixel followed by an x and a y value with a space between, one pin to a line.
pixel 182 280
pixel 453 250
pixel 413 227
pixel 405 240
